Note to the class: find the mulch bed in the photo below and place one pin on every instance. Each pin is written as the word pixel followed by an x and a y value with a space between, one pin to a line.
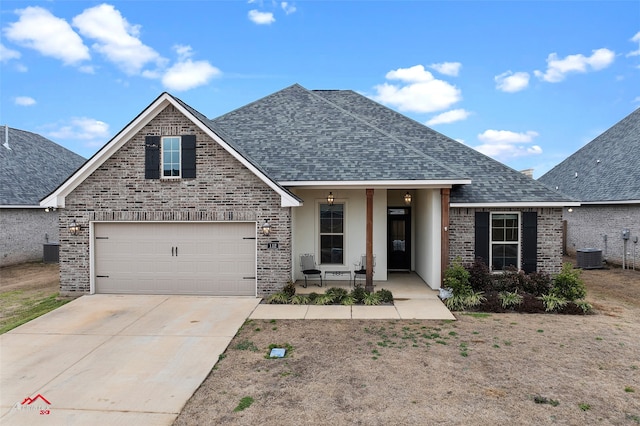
pixel 530 305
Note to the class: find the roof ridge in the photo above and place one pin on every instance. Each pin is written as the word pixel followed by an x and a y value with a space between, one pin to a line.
pixel 257 100
pixel 377 129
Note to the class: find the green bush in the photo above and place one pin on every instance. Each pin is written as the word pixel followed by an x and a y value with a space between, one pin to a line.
pixel 456 277
pixel 289 288
pixel 568 285
pixel 300 299
pixel 385 295
pixel 323 299
pixel 510 299
pixel 460 302
pixel 358 293
pixel 337 294
pixel 371 299
pixel 552 302
pixel 279 298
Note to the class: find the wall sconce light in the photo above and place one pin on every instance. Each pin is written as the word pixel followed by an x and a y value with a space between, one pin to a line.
pixel 50 209
pixel 407 198
pixel 74 228
pixel 330 198
pixel 570 210
pixel 266 228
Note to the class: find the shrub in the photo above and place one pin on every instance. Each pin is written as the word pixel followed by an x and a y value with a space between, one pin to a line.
pixel 337 294
pixel 480 278
pixel 358 293
pixel 289 288
pixel 510 299
pixel 460 302
pixel 348 300
pixel 456 277
pixel 279 298
pixel 511 279
pixel 568 284
pixel 371 299
pixel 538 283
pixel 385 296
pixel 323 299
pixel 300 299
pixel 553 303
pixel 586 307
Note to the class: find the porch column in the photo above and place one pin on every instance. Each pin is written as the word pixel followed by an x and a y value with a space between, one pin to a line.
pixel 369 239
pixel 444 232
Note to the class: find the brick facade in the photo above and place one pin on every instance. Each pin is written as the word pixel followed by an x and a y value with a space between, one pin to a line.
pixel 600 226
pixel 24 231
pixel 223 190
pixel 549 251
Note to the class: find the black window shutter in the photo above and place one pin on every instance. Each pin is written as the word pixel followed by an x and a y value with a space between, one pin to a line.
pixel 189 156
pixel 482 237
pixel 529 242
pixel 152 157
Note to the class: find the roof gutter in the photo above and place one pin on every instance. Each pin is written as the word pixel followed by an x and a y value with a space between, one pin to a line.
pixel 377 184
pixel 519 204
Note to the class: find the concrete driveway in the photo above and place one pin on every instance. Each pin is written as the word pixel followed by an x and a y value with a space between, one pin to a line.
pixel 114 359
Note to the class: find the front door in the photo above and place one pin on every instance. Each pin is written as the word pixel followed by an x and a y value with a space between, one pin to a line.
pixel 399 239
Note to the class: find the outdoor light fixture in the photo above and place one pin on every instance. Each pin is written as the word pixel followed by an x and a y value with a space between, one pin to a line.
pixel 266 228
pixel 407 198
pixel 570 210
pixel 74 228
pixel 330 198
pixel 50 209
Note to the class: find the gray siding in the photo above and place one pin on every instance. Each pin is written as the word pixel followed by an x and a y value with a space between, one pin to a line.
pixel 24 231
pixel 549 251
pixel 223 190
pixel 588 225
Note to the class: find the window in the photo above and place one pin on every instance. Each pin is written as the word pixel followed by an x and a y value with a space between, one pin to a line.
pixel 171 157
pixel 505 240
pixel 332 234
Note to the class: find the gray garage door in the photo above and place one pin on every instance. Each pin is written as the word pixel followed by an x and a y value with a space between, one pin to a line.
pixel 216 259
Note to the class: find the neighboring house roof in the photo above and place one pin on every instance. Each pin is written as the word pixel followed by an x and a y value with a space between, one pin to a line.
pixel 32 166
pixel 605 169
pixel 302 136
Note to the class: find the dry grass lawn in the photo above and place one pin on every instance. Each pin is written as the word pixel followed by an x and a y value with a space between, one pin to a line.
pixel 481 369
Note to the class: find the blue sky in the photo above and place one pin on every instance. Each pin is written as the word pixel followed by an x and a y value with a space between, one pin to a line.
pixel 527 83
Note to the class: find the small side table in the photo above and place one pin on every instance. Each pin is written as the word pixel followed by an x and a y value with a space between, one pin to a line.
pixel 338 274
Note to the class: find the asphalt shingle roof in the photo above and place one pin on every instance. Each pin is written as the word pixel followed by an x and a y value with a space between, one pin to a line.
pixel 340 135
pixel 32 167
pixel 605 169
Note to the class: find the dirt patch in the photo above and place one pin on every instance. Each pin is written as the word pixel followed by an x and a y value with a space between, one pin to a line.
pixel 482 369
pixel 30 276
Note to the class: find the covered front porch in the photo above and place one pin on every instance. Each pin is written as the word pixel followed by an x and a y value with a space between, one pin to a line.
pixel 402 229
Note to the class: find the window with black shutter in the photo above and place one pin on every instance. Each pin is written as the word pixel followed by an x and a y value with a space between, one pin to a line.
pixel 529 242
pixel 482 237
pixel 170 157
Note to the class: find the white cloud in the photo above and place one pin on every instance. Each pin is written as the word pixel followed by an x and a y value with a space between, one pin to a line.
pixel 38 29
pixel 92 131
pixel 447 68
pixel 7 54
pixel 421 92
pixel 557 69
pixel 115 38
pixel 635 39
pixel 512 82
pixel 288 7
pixel 187 74
pixel 449 117
pixel 503 144
pixel 25 101
pixel 261 18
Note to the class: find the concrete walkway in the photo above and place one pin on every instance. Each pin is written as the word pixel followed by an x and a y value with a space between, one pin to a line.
pixel 114 360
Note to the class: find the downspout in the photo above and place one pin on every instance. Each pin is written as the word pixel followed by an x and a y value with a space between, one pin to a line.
pixel 444 232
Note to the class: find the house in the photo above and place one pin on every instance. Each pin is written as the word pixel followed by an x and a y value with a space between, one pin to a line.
pixel 178 203
pixel 32 166
pixel 604 176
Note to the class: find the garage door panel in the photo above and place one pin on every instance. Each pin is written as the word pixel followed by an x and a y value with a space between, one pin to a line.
pixel 175 258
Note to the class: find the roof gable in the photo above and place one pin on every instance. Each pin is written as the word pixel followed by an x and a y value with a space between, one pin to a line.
pixel 605 169
pixel 32 166
pixel 57 197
